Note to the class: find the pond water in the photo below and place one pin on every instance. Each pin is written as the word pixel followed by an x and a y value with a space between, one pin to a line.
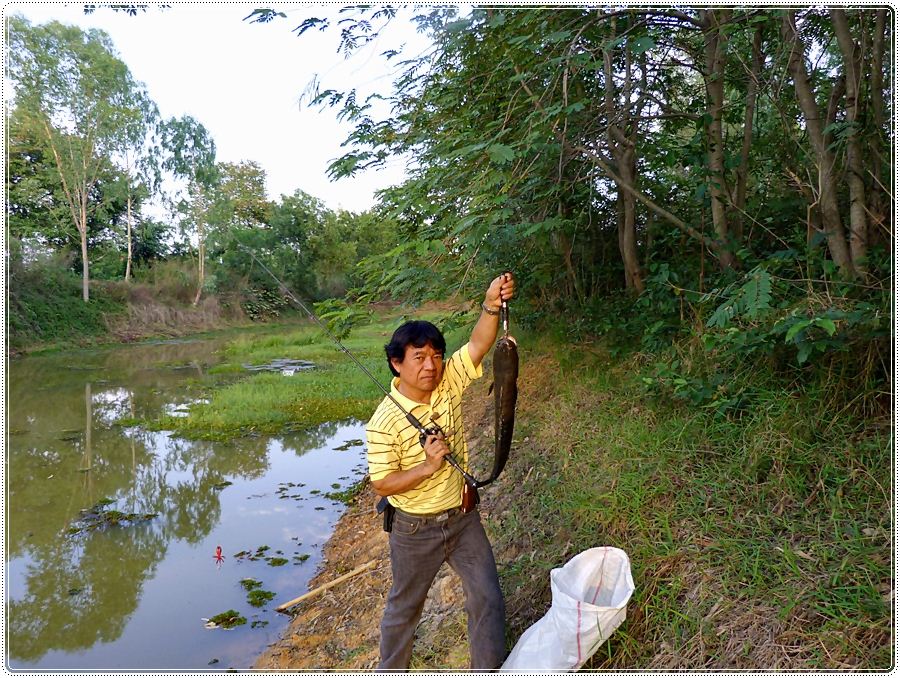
pixel 136 595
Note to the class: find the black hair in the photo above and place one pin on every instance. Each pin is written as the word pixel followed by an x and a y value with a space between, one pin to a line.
pixel 416 333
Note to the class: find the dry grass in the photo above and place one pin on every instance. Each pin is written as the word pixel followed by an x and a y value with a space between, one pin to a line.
pixel 147 317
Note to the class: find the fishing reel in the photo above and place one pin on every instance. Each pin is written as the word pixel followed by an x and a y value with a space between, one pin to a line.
pixel 432 431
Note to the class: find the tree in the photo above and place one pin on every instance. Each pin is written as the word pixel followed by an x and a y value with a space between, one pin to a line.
pixel 294 217
pixel 36 205
pixel 78 97
pixel 559 142
pixel 139 159
pixel 240 196
pixel 832 221
pixel 190 155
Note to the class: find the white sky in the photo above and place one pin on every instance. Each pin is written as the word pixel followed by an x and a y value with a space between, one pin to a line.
pixel 243 81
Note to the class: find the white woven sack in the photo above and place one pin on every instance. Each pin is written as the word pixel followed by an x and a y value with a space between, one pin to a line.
pixel 590 593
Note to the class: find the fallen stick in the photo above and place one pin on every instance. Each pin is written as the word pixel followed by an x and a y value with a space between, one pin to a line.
pixel 324 587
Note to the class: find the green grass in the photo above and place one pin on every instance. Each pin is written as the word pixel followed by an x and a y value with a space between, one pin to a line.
pixel 46 308
pixel 774 527
pixel 270 403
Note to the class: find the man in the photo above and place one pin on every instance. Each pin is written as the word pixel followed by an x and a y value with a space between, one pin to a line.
pixel 429 526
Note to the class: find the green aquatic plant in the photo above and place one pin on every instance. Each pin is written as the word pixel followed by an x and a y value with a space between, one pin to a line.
pixel 227 620
pixel 258 597
pixel 99 517
pixel 356 442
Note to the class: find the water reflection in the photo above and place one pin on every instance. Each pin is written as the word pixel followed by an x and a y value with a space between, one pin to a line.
pixel 71 595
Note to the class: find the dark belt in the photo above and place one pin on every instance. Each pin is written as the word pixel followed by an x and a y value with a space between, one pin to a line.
pixel 432 517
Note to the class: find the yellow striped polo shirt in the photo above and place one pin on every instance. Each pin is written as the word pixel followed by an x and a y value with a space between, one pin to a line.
pixel 393 443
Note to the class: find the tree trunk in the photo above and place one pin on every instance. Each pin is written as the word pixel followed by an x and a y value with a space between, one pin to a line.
pixel 622 151
pixel 740 195
pixel 201 264
pixel 714 78
pixel 128 261
pixel 620 235
pixel 566 246
pixel 859 225
pixel 878 211
pixel 831 215
pixel 76 198
pixel 199 214
pixel 629 235
pixel 82 229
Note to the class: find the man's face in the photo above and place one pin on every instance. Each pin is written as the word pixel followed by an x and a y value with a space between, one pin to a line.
pixel 421 368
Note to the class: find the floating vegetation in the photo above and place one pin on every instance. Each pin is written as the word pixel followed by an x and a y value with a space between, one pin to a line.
pixel 99 517
pixel 259 623
pixel 222 485
pixel 356 442
pixel 225 620
pixel 250 584
pixel 284 489
pixel 301 558
pixel 260 554
pixel 258 597
pixel 286 366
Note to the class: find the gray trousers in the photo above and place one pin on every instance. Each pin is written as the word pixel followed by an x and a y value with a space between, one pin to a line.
pixel 419 546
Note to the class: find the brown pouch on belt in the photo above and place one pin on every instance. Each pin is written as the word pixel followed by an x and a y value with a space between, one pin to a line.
pixel 470 497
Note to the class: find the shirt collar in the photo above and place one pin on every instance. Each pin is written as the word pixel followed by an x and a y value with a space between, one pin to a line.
pixel 408 403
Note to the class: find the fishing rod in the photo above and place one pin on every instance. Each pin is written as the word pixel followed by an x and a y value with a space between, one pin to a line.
pixel 410 417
